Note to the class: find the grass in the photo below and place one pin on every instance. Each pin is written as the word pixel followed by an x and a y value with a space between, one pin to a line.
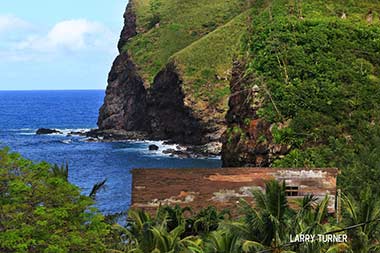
pixel 199 35
pixel 205 64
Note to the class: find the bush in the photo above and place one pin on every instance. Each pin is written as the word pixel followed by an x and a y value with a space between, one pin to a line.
pixel 40 211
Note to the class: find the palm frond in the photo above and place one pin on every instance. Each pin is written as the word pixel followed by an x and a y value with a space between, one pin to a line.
pixel 98 186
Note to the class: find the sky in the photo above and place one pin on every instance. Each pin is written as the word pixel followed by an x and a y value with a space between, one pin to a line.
pixel 58 45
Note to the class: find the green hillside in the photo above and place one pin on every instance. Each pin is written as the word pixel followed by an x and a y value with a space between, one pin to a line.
pixel 200 36
pixel 317 65
pixel 206 64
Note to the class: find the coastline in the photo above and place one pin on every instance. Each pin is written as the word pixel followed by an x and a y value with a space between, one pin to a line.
pixel 210 150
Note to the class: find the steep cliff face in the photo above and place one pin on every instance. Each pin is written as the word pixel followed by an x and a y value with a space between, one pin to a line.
pixel 157 86
pixel 158 110
pixel 124 106
pixel 169 117
pixel 248 140
pixel 125 102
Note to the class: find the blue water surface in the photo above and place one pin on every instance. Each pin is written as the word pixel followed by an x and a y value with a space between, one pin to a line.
pixel 23 112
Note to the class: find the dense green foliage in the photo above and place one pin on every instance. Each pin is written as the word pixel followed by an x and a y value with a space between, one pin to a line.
pixel 41 212
pixel 319 75
pixel 267 226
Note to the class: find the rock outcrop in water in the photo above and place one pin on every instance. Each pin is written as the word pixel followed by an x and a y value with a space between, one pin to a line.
pixel 41 131
pixel 158 110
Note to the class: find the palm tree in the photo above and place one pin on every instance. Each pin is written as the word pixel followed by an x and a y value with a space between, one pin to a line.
pixel 139 231
pixel 267 222
pixel 364 238
pixel 97 187
pixel 312 218
pixel 153 235
pixel 61 171
pixel 223 241
pixel 172 216
pixel 270 223
pixel 207 220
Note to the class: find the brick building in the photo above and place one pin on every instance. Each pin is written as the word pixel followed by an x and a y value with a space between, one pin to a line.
pixel 223 188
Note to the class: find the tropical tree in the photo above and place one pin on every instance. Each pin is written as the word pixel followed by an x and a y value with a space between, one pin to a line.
pixel 223 241
pixel 40 211
pixel 365 238
pixel 267 222
pixel 164 233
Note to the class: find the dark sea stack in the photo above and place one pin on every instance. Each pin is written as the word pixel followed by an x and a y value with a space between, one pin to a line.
pixel 125 102
pixel 42 131
pixel 248 140
pixel 124 106
pixel 160 103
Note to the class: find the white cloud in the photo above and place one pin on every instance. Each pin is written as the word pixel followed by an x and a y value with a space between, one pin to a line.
pixel 73 35
pixel 10 22
pixel 74 39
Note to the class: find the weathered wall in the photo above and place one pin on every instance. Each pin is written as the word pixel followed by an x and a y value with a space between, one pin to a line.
pixel 222 188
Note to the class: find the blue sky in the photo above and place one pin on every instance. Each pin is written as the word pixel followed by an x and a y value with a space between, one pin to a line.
pixel 66 44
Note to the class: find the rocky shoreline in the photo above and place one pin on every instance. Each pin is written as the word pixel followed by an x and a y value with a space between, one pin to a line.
pixel 184 151
pixel 212 149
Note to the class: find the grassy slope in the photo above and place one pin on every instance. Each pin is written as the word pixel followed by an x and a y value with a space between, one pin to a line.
pixel 323 74
pixel 206 63
pixel 199 35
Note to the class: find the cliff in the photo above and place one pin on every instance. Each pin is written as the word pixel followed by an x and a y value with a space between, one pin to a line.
pixel 171 77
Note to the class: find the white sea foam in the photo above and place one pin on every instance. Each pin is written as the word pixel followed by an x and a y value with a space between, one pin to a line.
pixel 67 141
pixel 66 131
pixel 27 133
pixel 162 146
pixel 63 131
pixel 144 148
pixel 20 129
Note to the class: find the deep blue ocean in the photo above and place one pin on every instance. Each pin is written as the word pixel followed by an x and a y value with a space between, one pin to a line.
pixel 23 112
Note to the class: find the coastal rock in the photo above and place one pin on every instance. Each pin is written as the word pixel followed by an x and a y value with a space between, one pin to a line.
pixel 78 133
pixel 179 153
pixel 169 117
pixel 41 131
pixel 129 29
pixel 153 147
pixel 169 151
pixel 91 140
pixel 124 106
pixel 116 135
pixel 161 108
pixel 214 148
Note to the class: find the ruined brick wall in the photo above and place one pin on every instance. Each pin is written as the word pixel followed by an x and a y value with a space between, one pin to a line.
pixel 223 188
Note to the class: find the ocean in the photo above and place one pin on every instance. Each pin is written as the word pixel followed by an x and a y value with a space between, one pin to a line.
pixel 23 112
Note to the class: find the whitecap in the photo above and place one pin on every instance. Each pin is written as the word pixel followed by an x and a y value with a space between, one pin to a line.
pixel 67 141
pixel 26 133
